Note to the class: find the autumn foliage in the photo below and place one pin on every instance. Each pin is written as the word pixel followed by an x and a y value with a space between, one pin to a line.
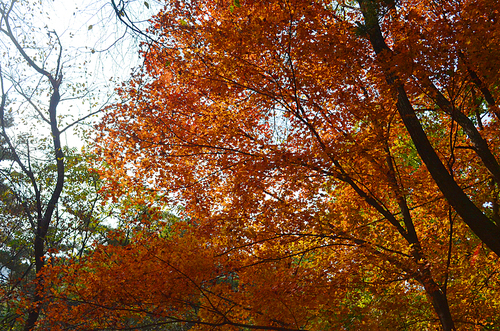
pixel 336 164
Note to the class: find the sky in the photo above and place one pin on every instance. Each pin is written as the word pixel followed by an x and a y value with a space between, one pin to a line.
pixel 98 54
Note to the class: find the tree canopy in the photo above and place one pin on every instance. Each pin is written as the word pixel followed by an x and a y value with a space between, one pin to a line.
pixel 48 196
pixel 336 164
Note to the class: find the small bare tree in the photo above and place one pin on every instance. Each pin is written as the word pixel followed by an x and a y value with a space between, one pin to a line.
pixel 35 164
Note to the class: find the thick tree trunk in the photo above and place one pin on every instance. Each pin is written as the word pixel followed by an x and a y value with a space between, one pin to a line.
pixel 440 304
pixel 477 221
pixel 480 144
pixel 423 275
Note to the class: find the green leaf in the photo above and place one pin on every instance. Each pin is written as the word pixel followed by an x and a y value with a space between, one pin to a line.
pixel 231 8
pixel 236 3
pixel 146 4
pixel 90 27
pixel 183 23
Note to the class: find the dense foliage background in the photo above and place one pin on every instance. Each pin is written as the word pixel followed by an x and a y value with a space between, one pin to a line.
pixel 276 165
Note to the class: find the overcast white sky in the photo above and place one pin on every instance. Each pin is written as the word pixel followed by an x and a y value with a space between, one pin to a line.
pixel 100 52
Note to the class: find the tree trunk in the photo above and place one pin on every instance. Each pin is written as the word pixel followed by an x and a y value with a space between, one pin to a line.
pixel 439 299
pixel 477 221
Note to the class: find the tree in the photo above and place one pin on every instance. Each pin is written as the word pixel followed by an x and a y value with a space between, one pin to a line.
pixel 312 144
pixel 41 215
